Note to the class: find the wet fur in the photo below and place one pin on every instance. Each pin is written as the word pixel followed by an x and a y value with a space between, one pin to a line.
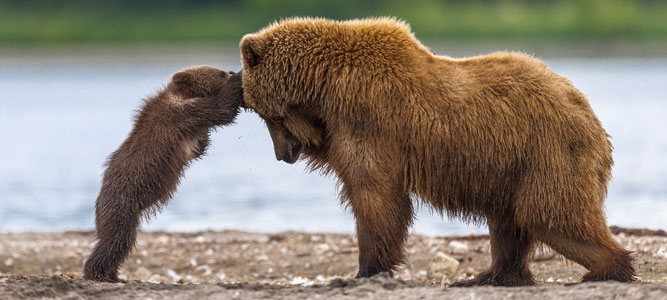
pixel 497 138
pixel 171 129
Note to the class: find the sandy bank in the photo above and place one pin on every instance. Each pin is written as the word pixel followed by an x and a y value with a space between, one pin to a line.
pixel 244 265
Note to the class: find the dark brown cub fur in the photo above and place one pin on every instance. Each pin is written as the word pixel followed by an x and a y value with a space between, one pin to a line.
pixel 169 132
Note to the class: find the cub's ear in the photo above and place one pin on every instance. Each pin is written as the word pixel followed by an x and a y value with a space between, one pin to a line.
pixel 182 78
pixel 251 50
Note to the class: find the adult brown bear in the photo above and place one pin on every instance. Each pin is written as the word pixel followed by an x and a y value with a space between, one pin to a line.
pixel 497 138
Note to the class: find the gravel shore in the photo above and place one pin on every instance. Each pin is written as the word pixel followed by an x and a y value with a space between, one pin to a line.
pixel 294 265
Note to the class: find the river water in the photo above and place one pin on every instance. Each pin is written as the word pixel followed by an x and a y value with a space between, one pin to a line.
pixel 61 116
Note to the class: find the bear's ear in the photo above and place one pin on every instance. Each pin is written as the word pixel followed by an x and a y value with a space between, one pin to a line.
pixel 251 50
pixel 182 78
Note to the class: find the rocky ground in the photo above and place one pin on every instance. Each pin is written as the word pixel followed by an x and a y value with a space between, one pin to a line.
pixel 293 265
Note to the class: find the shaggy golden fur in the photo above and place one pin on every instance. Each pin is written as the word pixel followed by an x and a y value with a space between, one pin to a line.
pixel 169 132
pixel 497 138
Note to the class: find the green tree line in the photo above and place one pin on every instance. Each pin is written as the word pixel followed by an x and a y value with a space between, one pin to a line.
pixel 126 21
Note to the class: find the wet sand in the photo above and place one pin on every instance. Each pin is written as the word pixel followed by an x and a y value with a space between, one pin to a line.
pixel 294 265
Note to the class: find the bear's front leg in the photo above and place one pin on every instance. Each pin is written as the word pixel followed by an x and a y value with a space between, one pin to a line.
pixel 383 214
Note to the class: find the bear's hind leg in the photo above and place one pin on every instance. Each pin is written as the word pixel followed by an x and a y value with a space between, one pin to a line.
pixel 511 251
pixel 599 253
pixel 117 224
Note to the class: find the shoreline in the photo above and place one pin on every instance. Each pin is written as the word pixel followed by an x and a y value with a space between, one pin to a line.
pixel 159 52
pixel 230 263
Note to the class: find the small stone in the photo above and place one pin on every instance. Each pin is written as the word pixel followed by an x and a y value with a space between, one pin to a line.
pixel 662 252
pixel 324 247
pixel 162 240
pixel 143 273
pixel 205 268
pixel 471 271
pixel 200 239
pixel 441 265
pixel 458 247
pixel 155 279
pixel 550 280
pixel 444 282
pixel 298 280
pixel 222 276
pixel 173 275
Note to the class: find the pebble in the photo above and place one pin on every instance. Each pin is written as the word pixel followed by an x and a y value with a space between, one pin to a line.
pixel 143 273
pixel 324 247
pixel 444 282
pixel 441 265
pixel 155 279
pixel 458 247
pixel 173 275
pixel 163 239
pixel 298 280
pixel 205 268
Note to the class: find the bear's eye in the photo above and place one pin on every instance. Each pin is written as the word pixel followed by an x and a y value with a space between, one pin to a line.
pixel 223 74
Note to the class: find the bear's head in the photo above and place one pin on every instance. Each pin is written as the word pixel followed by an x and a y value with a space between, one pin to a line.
pixel 200 81
pixel 294 133
pixel 304 76
pixel 280 96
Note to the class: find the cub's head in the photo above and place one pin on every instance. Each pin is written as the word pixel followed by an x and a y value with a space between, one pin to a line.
pixel 201 81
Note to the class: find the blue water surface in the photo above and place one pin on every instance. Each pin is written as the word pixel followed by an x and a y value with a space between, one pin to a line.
pixel 60 120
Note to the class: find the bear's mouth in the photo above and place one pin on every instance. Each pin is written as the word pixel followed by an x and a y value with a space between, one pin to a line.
pixel 292 151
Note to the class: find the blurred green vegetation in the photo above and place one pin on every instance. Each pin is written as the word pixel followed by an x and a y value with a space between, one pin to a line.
pixel 206 21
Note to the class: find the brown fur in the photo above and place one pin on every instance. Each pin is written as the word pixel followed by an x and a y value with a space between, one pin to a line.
pixel 169 132
pixel 498 137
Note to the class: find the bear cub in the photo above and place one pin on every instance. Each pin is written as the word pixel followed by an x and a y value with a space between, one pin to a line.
pixel 171 129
